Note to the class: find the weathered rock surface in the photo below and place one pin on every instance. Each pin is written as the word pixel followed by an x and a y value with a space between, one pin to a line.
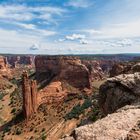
pixel 29 89
pixel 113 127
pixel 120 94
pixel 4 70
pixel 66 69
pixel 16 60
pixel 56 76
pixel 134 133
pixel 124 68
pixel 95 69
pixel 119 91
pixel 3 63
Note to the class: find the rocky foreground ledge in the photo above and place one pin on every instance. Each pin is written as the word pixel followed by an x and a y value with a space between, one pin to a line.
pixel 113 127
pixel 120 96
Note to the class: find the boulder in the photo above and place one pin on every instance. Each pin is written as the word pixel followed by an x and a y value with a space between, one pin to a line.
pixel 119 91
pixel 116 126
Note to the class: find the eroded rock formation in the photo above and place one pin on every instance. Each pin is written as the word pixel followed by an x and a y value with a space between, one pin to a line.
pixel 113 127
pixel 29 90
pixel 56 77
pixel 16 60
pixel 4 70
pixel 66 69
pixel 124 68
pixel 95 69
pixel 119 96
pixel 119 91
pixel 3 63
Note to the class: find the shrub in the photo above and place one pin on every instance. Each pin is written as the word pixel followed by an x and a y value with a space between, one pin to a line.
pixel 18 132
pixel 13 110
pixel 43 137
pixel 43 129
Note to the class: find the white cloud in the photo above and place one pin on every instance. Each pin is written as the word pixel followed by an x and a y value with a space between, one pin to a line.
pixel 26 26
pixel 80 3
pixel 75 36
pixel 61 40
pixel 83 41
pixel 27 13
pixel 33 29
pixel 19 42
pixel 81 38
pixel 34 47
pixel 125 30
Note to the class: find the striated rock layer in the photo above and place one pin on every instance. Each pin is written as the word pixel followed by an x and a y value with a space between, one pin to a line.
pixel 29 89
pixel 63 68
pixel 16 60
pixel 120 94
pixel 56 77
pixel 119 91
pixel 124 68
pixel 4 70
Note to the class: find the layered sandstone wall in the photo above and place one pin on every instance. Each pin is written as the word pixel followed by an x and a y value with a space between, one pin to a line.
pixel 4 69
pixel 3 63
pixel 124 68
pixel 16 60
pixel 63 68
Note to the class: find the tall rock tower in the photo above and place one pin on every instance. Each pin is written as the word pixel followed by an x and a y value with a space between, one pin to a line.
pixel 34 95
pixel 29 90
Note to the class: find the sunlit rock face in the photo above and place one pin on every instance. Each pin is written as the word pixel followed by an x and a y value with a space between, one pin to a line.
pixel 3 63
pixel 115 126
pixel 4 69
pixel 69 69
pixel 119 100
pixel 16 60
pixel 124 68
pixel 56 78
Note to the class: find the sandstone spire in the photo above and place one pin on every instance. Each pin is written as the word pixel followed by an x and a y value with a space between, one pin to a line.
pixel 27 101
pixel 34 95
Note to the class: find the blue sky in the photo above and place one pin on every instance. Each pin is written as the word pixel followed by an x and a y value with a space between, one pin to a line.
pixel 69 26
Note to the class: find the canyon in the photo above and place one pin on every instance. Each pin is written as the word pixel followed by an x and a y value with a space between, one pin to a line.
pixel 70 97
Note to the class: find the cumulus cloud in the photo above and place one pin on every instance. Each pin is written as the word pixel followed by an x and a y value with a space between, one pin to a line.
pixel 34 47
pixel 80 3
pixel 75 36
pixel 83 41
pixel 81 38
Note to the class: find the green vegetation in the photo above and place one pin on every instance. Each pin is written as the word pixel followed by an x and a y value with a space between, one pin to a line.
pixel 18 132
pixel 43 129
pixel 13 110
pixel 1 95
pixel 43 137
pixel 78 110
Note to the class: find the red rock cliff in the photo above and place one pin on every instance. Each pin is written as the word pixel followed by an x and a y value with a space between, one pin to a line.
pixel 64 68
pixel 29 90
